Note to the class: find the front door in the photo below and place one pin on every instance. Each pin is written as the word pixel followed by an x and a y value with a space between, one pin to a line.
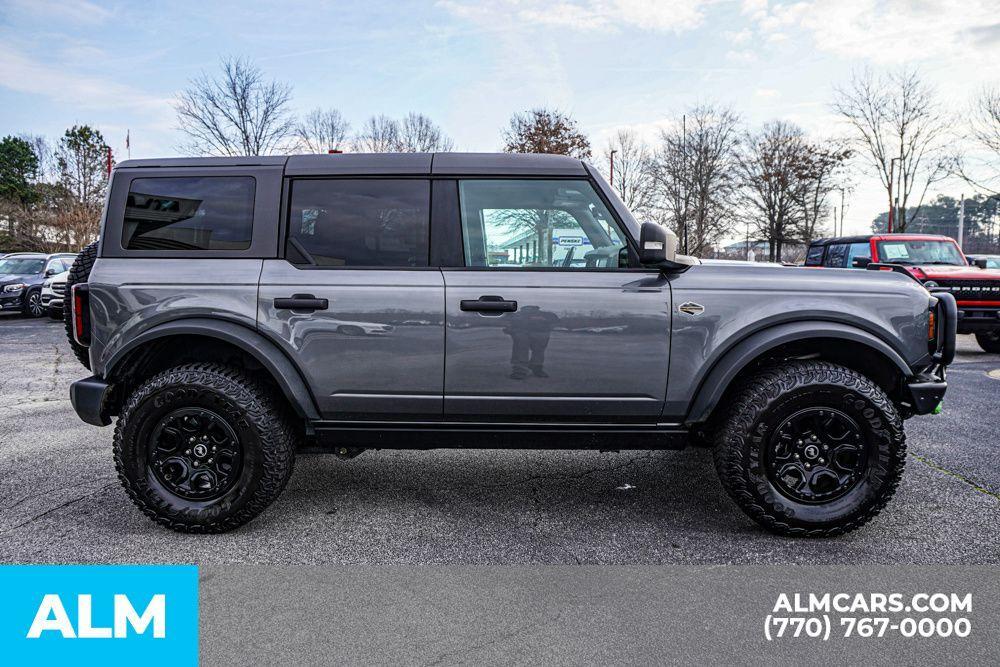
pixel 354 303
pixel 546 319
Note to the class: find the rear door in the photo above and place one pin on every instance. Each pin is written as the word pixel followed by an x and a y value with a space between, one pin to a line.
pixel 546 319
pixel 354 301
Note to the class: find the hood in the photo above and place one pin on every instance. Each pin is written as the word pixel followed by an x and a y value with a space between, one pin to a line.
pixel 8 278
pixel 946 272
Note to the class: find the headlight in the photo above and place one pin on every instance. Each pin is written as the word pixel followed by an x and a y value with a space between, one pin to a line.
pixel 47 283
pixel 16 287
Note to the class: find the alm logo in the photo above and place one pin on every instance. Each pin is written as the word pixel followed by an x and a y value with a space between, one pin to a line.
pixel 52 617
pixel 99 614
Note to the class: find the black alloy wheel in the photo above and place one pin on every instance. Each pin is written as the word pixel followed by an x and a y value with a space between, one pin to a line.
pixel 195 454
pixel 816 455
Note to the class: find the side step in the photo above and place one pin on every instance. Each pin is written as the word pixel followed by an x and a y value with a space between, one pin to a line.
pixel 496 435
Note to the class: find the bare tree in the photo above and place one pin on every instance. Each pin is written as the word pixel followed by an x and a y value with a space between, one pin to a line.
pixel 984 121
pixel 896 119
pixel 821 172
pixel 238 112
pixel 545 131
pixel 322 130
pixel 378 134
pixel 695 176
pixel 419 134
pixel 633 178
pixel 771 166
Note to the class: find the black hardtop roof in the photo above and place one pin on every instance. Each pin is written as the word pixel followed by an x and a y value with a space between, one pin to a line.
pixel 865 238
pixel 404 164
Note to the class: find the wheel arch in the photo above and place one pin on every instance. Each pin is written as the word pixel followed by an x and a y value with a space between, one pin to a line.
pixel 830 341
pixel 170 344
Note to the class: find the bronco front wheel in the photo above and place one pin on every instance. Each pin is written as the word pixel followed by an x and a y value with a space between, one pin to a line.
pixel 810 448
pixel 202 448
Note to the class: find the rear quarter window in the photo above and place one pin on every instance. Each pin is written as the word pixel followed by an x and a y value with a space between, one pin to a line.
pixel 815 256
pixel 189 213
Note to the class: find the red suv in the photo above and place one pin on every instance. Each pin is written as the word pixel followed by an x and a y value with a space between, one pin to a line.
pixel 936 261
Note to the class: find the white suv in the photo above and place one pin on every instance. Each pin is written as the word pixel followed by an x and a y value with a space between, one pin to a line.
pixel 53 292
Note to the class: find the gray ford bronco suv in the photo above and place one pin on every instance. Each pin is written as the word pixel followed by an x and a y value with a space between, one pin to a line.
pixel 238 308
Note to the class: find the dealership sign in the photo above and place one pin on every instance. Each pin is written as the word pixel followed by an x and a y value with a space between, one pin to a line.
pixel 78 614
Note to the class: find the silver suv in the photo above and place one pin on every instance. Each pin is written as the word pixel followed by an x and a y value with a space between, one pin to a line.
pixel 239 307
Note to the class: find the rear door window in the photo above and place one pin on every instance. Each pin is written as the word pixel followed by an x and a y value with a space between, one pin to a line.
pixel 836 256
pixel 189 213
pixel 359 223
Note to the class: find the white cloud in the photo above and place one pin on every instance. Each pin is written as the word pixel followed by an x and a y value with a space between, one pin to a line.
pixel 657 15
pixel 766 93
pixel 886 31
pixel 738 37
pixel 72 11
pixel 61 84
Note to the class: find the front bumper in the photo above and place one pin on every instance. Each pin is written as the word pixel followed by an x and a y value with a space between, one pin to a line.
pixel 926 390
pixel 972 319
pixel 89 398
pixel 12 301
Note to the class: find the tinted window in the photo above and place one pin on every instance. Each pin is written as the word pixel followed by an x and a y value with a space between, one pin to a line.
pixel 198 213
pixel 814 256
pixel 836 256
pixel 371 222
pixel 535 223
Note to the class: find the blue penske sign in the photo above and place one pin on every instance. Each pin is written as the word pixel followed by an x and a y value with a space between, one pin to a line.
pixel 100 614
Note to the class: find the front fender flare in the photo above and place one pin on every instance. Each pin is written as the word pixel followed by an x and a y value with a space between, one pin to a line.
pixel 760 342
pixel 270 356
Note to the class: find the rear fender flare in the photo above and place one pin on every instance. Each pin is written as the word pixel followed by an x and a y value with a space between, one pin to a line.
pixel 270 356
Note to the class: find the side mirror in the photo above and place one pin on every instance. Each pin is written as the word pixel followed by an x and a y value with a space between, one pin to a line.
pixel 861 262
pixel 652 244
pixel 981 263
pixel 49 273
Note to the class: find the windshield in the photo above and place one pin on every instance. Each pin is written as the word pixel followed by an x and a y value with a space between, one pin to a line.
pixel 21 265
pixel 920 252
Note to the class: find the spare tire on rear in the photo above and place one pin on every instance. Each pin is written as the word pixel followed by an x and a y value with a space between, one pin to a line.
pixel 78 273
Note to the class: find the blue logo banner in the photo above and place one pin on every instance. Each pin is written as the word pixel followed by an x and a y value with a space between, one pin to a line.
pixel 99 614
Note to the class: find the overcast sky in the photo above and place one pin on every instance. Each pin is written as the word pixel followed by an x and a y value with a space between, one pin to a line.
pixel 468 64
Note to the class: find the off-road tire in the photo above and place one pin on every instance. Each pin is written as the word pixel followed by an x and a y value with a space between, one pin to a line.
pixel 78 273
pixel 759 407
pixel 989 341
pixel 252 410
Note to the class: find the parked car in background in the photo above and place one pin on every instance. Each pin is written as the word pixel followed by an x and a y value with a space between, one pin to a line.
pixel 937 262
pixel 53 292
pixel 21 278
pixel 990 261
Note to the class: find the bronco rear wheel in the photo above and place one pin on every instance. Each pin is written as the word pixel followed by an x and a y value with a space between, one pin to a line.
pixel 810 448
pixel 78 273
pixel 989 341
pixel 202 448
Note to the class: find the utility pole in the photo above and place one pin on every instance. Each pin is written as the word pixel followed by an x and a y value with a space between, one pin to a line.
pixel 961 222
pixel 684 137
pixel 892 204
pixel 613 151
pixel 841 212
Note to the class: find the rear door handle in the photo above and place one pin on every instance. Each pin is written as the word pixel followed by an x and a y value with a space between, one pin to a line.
pixel 489 304
pixel 301 302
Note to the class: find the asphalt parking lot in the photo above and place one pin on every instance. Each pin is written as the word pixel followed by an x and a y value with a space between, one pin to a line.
pixel 60 500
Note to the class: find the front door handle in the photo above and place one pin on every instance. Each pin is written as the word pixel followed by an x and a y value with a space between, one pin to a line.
pixel 304 302
pixel 489 304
